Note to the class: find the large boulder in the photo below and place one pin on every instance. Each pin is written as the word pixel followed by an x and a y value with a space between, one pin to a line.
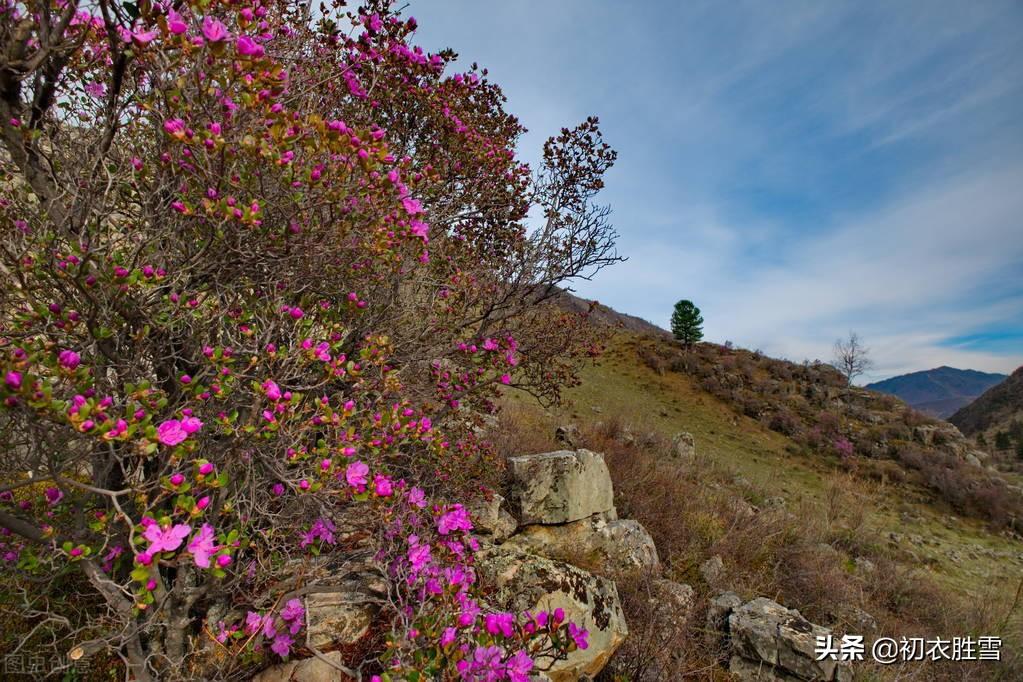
pixel 779 642
pixel 560 487
pixel 528 582
pixel 596 543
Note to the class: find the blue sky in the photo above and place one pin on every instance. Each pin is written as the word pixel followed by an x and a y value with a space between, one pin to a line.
pixel 798 169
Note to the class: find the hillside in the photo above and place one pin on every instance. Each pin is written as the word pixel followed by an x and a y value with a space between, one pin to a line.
pixel 799 488
pixel 938 392
pixel 995 419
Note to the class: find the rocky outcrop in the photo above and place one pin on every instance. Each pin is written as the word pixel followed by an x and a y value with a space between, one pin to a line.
pixel 608 546
pixel 770 642
pixel 560 487
pixel 524 581
pixel 567 507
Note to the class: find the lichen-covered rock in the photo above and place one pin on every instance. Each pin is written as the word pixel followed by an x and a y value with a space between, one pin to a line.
pixel 683 446
pixel 670 603
pixel 712 570
pixel 305 670
pixel 490 517
pixel 606 546
pixel 718 611
pixel 560 487
pixel 343 615
pixel 765 632
pixel 524 581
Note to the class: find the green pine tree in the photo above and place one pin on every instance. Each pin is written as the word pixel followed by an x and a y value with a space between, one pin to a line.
pixel 687 323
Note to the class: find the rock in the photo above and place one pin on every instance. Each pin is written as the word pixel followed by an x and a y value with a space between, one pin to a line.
pixel 594 544
pixel 490 517
pixel 864 565
pixel 670 605
pixel 305 670
pixel 524 581
pixel 569 435
pixel 972 459
pixel 683 446
pixel 560 487
pixel 712 570
pixel 719 609
pixel 343 616
pixel 336 619
pixel 763 631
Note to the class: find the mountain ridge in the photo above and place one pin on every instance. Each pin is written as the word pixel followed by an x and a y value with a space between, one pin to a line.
pixel 940 391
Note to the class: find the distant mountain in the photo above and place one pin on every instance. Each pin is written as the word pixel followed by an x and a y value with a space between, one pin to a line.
pixel 995 409
pixel 938 392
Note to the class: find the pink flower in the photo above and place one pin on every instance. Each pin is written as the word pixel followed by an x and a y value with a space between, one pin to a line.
pixel 247 47
pixel 356 474
pixel 448 636
pixel 382 485
pixel 165 539
pixel 273 391
pixel 224 560
pixel 13 380
pixel 69 359
pixel 281 645
pixel 214 30
pixel 456 519
pixel 417 498
pixel 503 623
pixel 578 635
pixel 412 206
pixel 202 546
pixel 171 433
pixel 175 127
pixel 176 23
pixel 293 610
pixel 190 425
pixel 518 667
pixel 419 556
pixel 53 495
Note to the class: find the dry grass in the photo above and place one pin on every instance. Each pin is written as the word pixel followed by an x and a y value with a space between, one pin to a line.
pixel 801 555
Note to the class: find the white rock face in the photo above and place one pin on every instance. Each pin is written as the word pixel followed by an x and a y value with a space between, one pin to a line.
pixel 560 487
pixel 596 543
pixel 530 582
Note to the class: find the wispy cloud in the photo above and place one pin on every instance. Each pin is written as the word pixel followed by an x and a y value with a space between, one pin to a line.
pixel 799 169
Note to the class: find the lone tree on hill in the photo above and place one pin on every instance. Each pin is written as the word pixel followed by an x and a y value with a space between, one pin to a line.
pixel 852 358
pixel 687 323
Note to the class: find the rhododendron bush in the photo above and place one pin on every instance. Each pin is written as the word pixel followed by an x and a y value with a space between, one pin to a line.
pixel 262 268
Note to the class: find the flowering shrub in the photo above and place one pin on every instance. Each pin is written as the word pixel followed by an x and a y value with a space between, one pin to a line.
pixel 259 271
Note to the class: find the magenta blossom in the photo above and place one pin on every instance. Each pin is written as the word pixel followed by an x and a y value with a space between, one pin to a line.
pixel 214 30
pixel 456 519
pixel 165 539
pixel 247 47
pixel 69 359
pixel 171 433
pixel 190 425
pixel 518 667
pixel 356 474
pixel 203 546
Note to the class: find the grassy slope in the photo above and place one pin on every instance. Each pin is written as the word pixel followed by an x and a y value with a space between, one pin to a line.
pixel 621 385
